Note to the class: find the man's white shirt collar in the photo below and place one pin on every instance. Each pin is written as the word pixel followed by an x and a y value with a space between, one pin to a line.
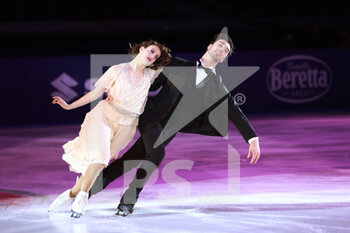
pixel 201 74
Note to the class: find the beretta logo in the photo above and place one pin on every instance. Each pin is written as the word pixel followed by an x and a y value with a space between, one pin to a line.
pixel 299 79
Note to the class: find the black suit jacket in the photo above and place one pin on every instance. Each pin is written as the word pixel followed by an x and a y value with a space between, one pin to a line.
pixel 160 107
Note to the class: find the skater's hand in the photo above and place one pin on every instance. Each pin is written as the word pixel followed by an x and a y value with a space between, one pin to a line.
pixel 254 151
pixel 61 102
pixel 109 99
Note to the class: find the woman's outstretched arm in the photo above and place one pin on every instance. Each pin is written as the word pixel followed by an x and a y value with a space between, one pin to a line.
pixel 87 98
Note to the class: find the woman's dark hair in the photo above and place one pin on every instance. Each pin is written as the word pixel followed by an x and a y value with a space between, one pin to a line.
pixel 226 37
pixel 164 58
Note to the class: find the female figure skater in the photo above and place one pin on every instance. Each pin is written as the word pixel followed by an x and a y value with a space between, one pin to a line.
pixel 110 125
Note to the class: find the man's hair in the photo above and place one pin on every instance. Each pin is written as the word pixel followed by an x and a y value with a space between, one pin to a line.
pixel 226 37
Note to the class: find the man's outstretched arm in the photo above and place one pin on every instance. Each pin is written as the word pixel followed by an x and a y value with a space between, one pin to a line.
pixel 245 128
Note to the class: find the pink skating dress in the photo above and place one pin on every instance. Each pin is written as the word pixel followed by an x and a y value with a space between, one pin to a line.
pixel 109 127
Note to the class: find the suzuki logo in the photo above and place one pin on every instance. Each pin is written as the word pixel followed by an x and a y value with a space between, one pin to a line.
pixel 63 84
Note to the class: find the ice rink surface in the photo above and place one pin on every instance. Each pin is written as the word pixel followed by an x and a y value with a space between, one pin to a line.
pixel 300 184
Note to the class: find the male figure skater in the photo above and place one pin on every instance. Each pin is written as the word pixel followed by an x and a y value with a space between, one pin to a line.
pixel 202 78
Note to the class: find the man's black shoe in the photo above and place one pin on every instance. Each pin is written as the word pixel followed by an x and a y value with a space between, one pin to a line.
pixel 124 210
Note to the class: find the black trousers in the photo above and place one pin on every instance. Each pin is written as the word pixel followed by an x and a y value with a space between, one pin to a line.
pixel 142 152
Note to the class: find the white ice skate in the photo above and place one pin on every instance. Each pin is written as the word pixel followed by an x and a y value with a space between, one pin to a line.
pixel 61 201
pixel 79 204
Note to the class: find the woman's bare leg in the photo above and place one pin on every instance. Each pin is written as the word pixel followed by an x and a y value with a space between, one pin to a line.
pixel 90 176
pixel 76 188
pixel 86 182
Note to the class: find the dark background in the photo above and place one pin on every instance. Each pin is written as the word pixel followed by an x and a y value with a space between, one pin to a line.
pixel 67 27
pixel 41 39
